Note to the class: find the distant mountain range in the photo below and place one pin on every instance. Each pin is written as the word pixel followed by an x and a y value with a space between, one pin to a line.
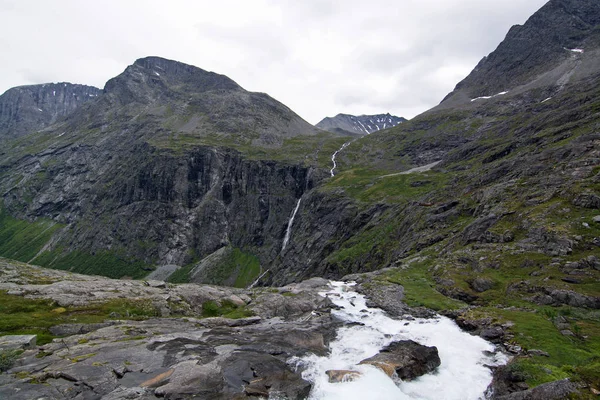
pixel 359 124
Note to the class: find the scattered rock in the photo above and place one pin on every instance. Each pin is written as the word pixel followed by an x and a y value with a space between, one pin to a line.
pixel 493 333
pixel 557 390
pixel 540 353
pixel 406 358
pixel 587 200
pixel 481 284
pixel 13 342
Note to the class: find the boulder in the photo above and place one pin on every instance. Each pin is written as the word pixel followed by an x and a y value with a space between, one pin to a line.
pixel 481 284
pixel 556 390
pixel 13 342
pixel 406 358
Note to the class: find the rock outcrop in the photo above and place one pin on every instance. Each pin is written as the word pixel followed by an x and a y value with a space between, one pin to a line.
pixel 27 109
pixel 405 359
pixel 170 357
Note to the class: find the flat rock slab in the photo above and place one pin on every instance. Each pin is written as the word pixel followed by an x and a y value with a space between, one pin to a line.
pixel 406 358
pixel 12 342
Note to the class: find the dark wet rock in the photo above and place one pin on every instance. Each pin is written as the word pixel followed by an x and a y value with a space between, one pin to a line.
pixel 406 358
pixel 557 390
pixel 493 333
pixel 507 379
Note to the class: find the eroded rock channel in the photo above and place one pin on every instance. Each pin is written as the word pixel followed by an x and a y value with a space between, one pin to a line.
pixel 316 339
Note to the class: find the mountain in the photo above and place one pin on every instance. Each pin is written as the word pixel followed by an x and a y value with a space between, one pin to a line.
pixel 27 109
pixel 541 55
pixel 484 208
pixel 168 165
pixel 359 125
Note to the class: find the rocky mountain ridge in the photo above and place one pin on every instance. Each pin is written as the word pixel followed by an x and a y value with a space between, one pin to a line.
pixel 27 109
pixel 547 47
pixel 359 125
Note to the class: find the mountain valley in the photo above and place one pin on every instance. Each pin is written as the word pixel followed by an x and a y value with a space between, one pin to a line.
pixel 484 209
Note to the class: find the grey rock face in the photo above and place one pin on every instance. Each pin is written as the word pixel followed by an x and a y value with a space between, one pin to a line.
pixel 359 125
pixel 542 43
pixel 217 358
pixel 163 202
pixel 27 109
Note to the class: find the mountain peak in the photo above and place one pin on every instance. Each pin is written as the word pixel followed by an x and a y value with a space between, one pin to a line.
pixel 546 40
pixel 359 125
pixel 149 76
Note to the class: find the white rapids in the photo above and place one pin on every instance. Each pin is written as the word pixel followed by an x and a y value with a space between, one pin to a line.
pixel 462 375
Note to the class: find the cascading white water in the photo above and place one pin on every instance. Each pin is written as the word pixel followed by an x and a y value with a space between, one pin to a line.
pixel 335 154
pixel 462 375
pixel 288 231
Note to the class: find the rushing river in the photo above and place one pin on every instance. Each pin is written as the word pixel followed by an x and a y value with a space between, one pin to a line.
pixel 462 375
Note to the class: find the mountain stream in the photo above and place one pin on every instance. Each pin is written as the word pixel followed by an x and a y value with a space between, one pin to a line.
pixel 463 374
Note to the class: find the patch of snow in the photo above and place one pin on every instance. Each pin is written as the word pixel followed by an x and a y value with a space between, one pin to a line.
pixel 365 129
pixel 423 168
pixel 489 97
pixel 156 73
pixel 61 134
pixel 576 50
pixel 549 98
pixel 384 124
pixel 377 126
pixel 40 110
pixel 54 93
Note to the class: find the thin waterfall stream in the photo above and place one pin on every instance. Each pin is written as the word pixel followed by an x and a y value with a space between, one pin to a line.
pixel 464 372
pixel 335 154
pixel 288 231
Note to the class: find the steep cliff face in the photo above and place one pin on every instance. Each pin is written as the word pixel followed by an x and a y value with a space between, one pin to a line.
pixel 156 206
pixel 165 167
pixel 27 109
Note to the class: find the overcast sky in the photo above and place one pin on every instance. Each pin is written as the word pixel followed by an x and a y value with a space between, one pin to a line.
pixel 319 57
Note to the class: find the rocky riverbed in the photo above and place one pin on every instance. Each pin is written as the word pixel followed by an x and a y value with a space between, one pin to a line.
pixel 261 350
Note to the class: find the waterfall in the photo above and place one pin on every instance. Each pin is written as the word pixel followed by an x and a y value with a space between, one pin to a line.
pixel 288 231
pixel 335 154
pixel 463 374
